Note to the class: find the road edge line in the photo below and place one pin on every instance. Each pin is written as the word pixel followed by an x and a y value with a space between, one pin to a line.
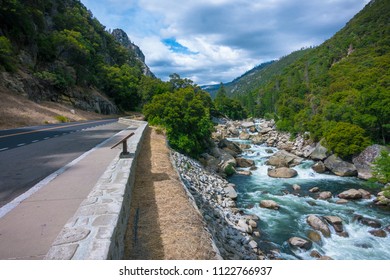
pixel 5 209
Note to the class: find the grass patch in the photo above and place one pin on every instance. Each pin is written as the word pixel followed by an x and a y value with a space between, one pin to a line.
pixel 61 119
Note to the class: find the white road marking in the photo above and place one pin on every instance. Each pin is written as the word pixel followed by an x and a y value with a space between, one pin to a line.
pixel 46 138
pixel 34 141
pixel 21 144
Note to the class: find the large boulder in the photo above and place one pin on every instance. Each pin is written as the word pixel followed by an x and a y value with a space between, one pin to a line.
pixel 378 233
pixel 319 167
pixel 318 224
pixel 325 195
pixel 258 139
pixel 300 243
pixel 244 136
pixel 319 152
pixel 231 191
pixel 340 167
pixel 335 222
pixel 284 159
pixel 314 236
pixel 350 194
pixel 368 221
pixel 210 162
pixel 265 130
pixel 364 160
pixel 269 204
pixel 282 172
pixel 243 162
pixel 230 147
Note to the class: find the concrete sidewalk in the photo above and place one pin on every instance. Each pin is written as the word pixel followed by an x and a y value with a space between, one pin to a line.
pixel 28 231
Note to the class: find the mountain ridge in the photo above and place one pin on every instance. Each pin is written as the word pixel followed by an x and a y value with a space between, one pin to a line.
pixel 338 90
pixel 58 51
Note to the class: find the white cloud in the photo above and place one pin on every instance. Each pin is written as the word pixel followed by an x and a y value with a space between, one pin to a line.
pixel 225 38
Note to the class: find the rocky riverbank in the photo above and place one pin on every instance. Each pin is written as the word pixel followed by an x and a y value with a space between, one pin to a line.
pixel 225 157
pixel 233 232
pixel 236 234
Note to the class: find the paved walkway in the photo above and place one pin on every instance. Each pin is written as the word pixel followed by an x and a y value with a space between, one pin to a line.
pixel 28 231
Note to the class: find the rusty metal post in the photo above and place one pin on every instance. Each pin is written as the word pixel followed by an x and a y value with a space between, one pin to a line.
pixel 124 153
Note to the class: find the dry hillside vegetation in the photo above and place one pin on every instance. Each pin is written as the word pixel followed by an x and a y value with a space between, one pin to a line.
pixel 18 111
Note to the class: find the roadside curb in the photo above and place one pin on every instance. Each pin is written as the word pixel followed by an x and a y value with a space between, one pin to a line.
pixel 97 230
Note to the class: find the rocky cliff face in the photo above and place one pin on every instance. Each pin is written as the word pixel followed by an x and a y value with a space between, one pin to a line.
pixel 121 37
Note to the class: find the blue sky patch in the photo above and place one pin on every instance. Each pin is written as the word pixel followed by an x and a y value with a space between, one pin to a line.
pixel 176 46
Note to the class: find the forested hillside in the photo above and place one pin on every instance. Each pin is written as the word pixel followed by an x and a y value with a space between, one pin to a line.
pixel 60 52
pixel 339 90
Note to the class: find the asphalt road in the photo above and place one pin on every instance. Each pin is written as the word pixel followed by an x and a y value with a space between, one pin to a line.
pixel 28 155
pixel 14 138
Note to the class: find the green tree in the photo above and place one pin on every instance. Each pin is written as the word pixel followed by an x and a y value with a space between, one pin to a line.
pixel 227 106
pixel 6 54
pixel 121 83
pixel 186 117
pixel 346 140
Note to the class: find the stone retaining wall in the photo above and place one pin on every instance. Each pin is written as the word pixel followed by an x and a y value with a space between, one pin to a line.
pixel 98 228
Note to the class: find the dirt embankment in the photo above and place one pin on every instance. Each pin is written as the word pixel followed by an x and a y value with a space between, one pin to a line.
pixel 18 111
pixel 163 224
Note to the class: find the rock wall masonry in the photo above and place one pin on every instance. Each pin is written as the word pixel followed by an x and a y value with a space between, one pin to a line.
pixel 98 228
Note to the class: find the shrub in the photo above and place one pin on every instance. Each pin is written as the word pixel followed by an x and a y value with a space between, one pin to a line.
pixel 346 140
pixel 61 119
pixel 6 55
pixel 381 168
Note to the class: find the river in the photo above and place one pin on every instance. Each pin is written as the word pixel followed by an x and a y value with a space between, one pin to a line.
pixel 277 226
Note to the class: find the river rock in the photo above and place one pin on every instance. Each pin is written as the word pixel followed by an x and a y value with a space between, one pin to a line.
pixel 319 152
pixel 340 167
pixel 252 223
pixel 300 243
pixel 270 204
pixel 265 130
pixel 314 189
pixel 364 161
pixel 367 221
pixel 325 195
pixel 351 194
pixel 230 147
pixel 230 191
pixel 335 222
pixel 342 201
pixel 382 200
pixel 282 172
pixel 244 172
pixel 365 194
pixel 258 139
pixel 244 136
pixel 378 232
pixel 319 167
pixel 253 244
pixel 296 187
pixel 243 162
pixel 314 236
pixel 316 223
pixel 284 159
pixel 315 254
pixel 243 226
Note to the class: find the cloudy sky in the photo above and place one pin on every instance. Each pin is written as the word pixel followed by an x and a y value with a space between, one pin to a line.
pixel 213 41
